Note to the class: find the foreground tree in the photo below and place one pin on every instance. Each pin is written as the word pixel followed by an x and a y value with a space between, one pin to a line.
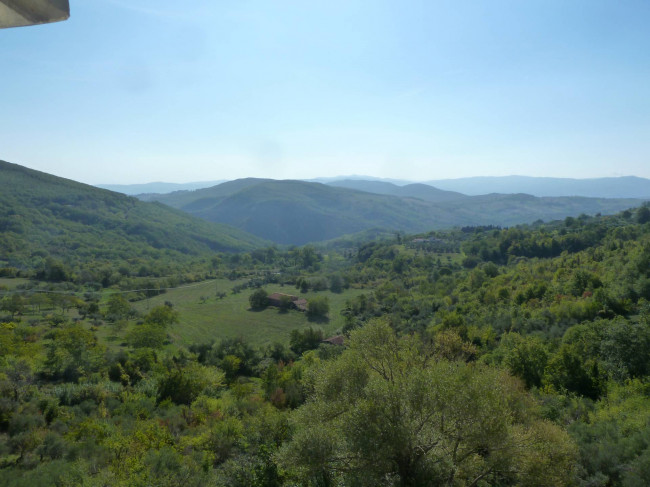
pixel 387 414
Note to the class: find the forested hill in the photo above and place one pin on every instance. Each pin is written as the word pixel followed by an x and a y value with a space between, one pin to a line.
pixel 46 216
pixel 298 212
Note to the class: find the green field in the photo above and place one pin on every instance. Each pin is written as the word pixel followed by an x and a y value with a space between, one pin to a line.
pixel 203 317
pixel 12 282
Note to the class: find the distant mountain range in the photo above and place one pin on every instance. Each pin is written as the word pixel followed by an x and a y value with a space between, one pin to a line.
pixel 43 215
pixel 619 187
pixel 157 187
pixel 298 212
pixel 416 190
pixel 355 177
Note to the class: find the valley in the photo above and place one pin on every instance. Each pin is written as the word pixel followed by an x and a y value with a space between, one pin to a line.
pixel 142 345
pixel 324 244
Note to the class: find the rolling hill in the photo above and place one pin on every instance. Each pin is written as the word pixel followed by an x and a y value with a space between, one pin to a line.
pixel 416 190
pixel 179 199
pixel 44 215
pixel 298 212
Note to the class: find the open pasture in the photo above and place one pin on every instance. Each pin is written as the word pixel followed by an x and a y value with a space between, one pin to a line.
pixel 204 317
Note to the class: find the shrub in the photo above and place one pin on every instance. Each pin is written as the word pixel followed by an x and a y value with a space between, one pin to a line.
pixel 259 299
pixel 318 307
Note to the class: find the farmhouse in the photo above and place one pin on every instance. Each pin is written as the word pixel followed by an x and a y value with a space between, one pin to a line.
pixel 281 300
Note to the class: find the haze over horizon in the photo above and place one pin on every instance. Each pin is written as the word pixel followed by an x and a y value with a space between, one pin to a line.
pixel 362 177
pixel 164 91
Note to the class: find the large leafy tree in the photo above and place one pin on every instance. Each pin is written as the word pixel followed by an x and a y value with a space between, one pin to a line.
pixel 73 352
pixel 388 413
pixel 118 307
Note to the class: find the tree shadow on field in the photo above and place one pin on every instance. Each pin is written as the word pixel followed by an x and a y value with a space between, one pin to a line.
pixel 255 310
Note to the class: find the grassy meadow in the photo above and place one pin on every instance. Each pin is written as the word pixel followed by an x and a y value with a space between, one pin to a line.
pixel 204 317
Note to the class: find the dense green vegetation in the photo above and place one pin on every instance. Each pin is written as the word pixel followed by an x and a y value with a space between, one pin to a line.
pixel 477 356
pixel 62 230
pixel 298 212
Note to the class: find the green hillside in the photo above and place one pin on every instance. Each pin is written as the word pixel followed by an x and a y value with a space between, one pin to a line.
pixel 295 212
pixel 45 216
pixel 298 212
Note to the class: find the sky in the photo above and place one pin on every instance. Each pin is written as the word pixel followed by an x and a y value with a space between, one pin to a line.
pixel 134 91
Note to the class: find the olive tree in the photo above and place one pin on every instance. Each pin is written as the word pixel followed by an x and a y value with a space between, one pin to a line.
pixel 388 413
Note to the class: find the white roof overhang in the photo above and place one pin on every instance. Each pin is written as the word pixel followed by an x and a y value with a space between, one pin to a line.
pixel 18 13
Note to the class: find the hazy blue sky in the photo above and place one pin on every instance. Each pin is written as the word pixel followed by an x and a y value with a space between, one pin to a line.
pixel 147 90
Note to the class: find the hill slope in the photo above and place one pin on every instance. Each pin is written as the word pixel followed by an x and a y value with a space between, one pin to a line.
pixel 42 215
pixel 179 199
pixel 298 212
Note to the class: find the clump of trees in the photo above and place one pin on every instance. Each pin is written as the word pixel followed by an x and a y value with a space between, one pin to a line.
pixel 308 339
pixel 386 410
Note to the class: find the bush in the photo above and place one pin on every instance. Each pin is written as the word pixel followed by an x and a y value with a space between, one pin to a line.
pixel 147 336
pixel 307 340
pixel 318 307
pixel 336 283
pixel 259 299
